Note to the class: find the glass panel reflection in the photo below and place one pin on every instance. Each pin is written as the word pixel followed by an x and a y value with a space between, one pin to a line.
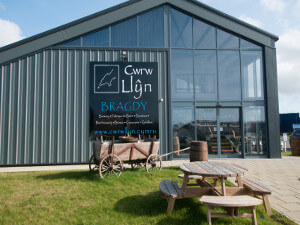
pixel 206 127
pixel 125 33
pixel 151 28
pixel 182 75
pixel 248 45
pixel 76 42
pixel 99 38
pixel 252 73
pixel 181 29
pixel 183 128
pixel 206 75
pixel 230 131
pixel 255 130
pixel 229 75
pixel 226 40
pixel 204 35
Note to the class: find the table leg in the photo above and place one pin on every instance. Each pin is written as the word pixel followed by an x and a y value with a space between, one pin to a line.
pixel 239 180
pixel 223 186
pixel 185 181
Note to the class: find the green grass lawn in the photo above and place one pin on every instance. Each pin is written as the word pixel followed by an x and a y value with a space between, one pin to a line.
pixel 81 197
pixel 289 153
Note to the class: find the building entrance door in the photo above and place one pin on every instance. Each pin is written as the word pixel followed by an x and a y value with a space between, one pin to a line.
pixel 221 128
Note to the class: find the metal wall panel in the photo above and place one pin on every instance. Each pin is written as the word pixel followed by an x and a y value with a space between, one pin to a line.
pixel 44 105
pixel 272 103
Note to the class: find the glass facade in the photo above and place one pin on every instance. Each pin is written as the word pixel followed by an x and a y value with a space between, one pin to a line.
pixel 206 75
pixel 216 78
pixel 254 130
pixel 182 82
pixel 220 76
pixel 144 30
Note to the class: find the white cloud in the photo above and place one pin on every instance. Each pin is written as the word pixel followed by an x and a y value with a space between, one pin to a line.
pixel 288 55
pixel 252 21
pixel 10 32
pixel 274 5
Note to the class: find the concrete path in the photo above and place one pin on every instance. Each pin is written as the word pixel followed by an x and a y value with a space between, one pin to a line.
pixel 281 175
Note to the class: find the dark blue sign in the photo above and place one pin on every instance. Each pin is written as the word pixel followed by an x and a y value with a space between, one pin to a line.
pixel 123 99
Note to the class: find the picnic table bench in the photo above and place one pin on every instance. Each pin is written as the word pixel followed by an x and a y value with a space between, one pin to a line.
pixel 231 202
pixel 170 191
pixel 258 189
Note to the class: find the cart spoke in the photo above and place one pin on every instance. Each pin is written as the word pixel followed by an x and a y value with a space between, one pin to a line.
pixel 104 170
pixel 115 173
pixel 106 163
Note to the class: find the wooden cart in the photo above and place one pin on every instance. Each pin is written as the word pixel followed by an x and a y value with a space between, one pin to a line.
pixel 108 157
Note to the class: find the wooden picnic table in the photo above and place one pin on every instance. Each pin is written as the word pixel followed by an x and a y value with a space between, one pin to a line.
pixel 212 169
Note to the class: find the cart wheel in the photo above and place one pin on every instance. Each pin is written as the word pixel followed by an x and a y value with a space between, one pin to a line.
pixel 92 164
pixel 153 163
pixel 110 165
pixel 136 165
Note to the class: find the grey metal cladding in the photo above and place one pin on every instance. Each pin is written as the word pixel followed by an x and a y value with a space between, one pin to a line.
pixel 126 10
pixel 272 103
pixel 44 105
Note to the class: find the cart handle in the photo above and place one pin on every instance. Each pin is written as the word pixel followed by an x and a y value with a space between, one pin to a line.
pixel 181 150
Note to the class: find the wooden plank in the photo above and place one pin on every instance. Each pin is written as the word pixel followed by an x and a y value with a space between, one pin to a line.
pixel 208 214
pixel 191 177
pixel 230 201
pixel 241 167
pixel 120 152
pixel 185 181
pixel 254 221
pixel 196 192
pixel 256 186
pixel 259 185
pixel 171 203
pixel 267 205
pixel 210 171
pixel 191 169
pixel 141 150
pixel 177 188
pixel 231 169
pixel 163 188
pixel 172 191
pixel 198 168
pixel 214 168
pixel 222 167
pixel 223 186
pixel 230 191
pixel 239 180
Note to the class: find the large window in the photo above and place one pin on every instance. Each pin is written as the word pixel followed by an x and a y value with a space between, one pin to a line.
pixel 206 75
pixel 144 30
pixel 151 28
pixel 252 74
pixel 183 123
pixel 182 75
pixel 220 77
pixel 125 33
pixel 99 38
pixel 229 75
pixel 227 40
pixel 204 35
pixel 181 29
pixel 254 130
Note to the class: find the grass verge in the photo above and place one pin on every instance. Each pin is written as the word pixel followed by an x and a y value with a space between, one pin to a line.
pixel 81 197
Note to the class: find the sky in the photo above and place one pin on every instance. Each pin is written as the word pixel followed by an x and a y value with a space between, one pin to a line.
pixel 24 18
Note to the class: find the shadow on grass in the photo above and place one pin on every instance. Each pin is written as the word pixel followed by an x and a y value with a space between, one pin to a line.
pixel 71 175
pixel 186 211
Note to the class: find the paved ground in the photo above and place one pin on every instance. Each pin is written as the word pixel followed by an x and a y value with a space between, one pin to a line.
pixel 281 175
